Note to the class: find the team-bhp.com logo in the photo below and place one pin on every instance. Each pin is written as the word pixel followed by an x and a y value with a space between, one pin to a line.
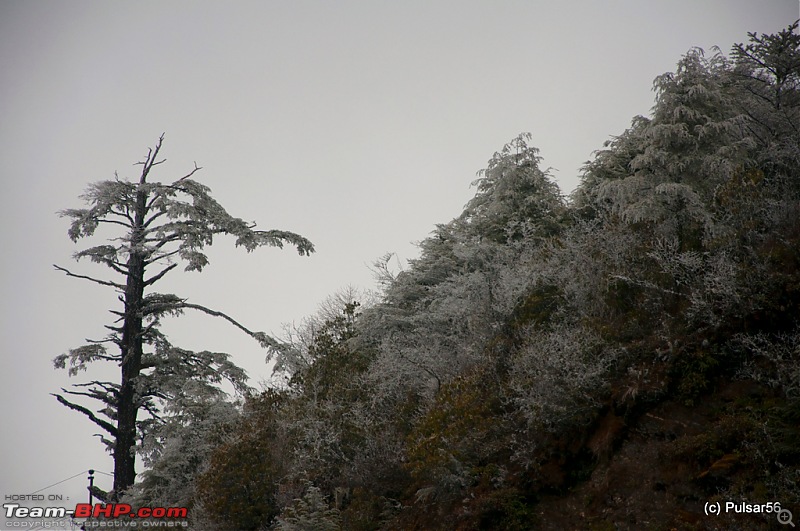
pixel 118 510
pixel 148 516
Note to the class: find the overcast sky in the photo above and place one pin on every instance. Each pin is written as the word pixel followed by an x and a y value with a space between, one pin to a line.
pixel 359 125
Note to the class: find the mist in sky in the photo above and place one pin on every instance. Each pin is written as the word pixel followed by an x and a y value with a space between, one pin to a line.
pixel 359 125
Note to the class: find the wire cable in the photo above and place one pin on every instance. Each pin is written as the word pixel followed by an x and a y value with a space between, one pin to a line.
pixel 64 481
pixel 60 482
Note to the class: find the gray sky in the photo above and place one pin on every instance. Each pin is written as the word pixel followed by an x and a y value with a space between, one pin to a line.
pixel 359 125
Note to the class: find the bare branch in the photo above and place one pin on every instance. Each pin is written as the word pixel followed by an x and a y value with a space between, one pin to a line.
pixel 98 281
pixel 113 221
pixel 149 328
pixel 261 337
pixel 125 215
pixel 154 216
pixel 119 267
pixel 188 175
pixel 117 329
pixel 122 269
pixel 161 256
pixel 152 280
pixel 103 396
pixel 100 422
pixel 645 284
pixel 108 386
pixel 154 412
pixel 115 340
pixel 103 254
pixel 163 241
pixel 150 160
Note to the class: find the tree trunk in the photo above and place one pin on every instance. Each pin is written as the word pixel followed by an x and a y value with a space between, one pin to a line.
pixel 131 347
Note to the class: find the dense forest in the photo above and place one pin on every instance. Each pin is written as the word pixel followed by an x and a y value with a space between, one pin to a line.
pixel 610 360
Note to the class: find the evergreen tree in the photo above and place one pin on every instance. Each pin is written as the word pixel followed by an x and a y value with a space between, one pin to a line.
pixel 161 226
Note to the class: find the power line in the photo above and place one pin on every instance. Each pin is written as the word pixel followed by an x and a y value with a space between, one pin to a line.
pixel 60 482
pixel 71 477
pixel 64 481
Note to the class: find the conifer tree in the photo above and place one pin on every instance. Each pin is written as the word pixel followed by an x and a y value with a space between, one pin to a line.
pixel 160 226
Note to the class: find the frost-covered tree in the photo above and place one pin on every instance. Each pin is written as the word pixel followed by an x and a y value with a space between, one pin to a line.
pixel 438 315
pixel 179 451
pixel 158 226
pixel 515 198
pixel 768 68
pixel 663 171
pixel 557 376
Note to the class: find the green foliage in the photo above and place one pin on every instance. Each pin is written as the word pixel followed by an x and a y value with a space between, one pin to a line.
pixel 367 511
pixel 694 373
pixel 508 509
pixel 238 489
pixel 309 513
pixel 725 438
pixel 455 434
pixel 537 308
pixel 751 446
pixel 334 362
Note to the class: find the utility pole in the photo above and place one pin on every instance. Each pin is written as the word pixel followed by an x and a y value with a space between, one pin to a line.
pixel 91 484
